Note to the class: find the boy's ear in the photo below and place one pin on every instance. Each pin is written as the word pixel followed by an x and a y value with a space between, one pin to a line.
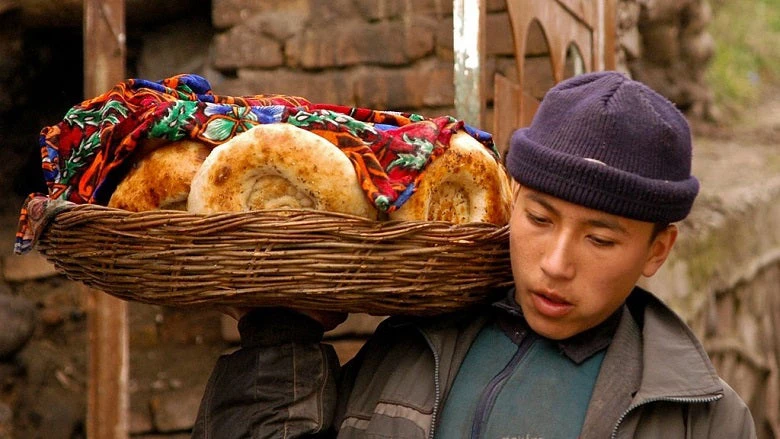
pixel 659 250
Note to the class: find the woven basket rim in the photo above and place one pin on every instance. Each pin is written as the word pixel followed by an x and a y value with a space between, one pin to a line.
pixel 73 207
pixel 302 258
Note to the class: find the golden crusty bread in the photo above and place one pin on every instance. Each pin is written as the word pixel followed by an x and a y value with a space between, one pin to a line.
pixel 160 177
pixel 465 184
pixel 278 166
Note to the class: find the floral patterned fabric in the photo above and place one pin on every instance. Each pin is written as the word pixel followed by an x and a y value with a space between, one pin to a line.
pixel 82 155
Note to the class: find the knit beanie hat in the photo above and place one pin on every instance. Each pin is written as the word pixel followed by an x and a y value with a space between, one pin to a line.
pixel 604 141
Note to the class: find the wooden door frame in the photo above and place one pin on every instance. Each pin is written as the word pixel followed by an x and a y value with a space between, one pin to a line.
pixel 589 25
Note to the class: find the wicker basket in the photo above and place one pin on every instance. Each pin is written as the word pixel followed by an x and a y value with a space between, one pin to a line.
pixel 295 258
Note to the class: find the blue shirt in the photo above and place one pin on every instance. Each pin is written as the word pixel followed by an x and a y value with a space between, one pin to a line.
pixel 514 384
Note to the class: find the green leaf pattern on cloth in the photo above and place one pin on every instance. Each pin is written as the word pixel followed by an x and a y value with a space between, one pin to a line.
pixel 173 125
pixel 417 160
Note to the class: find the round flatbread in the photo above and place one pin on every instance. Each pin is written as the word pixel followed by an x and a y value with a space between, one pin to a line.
pixel 160 178
pixel 278 166
pixel 465 184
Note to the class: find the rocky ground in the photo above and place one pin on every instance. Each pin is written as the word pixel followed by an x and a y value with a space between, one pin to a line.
pixel 43 337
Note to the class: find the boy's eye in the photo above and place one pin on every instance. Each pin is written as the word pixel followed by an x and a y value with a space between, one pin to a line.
pixel 536 219
pixel 601 242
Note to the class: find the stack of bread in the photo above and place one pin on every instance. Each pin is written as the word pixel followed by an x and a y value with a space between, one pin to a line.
pixel 279 165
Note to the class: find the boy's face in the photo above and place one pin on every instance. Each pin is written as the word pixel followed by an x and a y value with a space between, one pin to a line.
pixel 574 266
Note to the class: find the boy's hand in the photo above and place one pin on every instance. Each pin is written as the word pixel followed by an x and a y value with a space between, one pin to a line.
pixel 328 319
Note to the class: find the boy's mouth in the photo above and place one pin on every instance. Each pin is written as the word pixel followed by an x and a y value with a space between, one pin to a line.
pixel 550 304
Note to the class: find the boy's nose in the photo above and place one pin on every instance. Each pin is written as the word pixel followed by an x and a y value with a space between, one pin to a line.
pixel 558 261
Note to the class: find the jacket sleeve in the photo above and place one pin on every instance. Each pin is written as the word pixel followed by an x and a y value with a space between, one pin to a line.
pixel 281 383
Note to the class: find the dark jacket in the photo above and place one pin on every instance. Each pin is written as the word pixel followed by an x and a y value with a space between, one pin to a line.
pixel 656 381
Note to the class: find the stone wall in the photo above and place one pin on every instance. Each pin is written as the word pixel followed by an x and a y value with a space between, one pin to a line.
pixel 376 54
pixel 398 55
pixel 675 51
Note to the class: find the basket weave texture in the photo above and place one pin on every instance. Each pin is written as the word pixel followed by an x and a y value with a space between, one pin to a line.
pixel 286 257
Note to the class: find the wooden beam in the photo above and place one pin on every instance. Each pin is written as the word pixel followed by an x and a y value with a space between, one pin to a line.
pixel 468 17
pixel 609 18
pixel 107 399
pixel 506 111
pixel 104 45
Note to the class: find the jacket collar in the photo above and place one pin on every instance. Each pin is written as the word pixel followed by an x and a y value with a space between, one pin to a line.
pixel 577 348
pixel 654 356
pixel 674 362
pixel 650 338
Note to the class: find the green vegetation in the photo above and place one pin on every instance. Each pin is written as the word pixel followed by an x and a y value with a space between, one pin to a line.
pixel 746 63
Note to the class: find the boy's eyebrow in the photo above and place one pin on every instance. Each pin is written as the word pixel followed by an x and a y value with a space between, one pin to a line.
pixel 606 223
pixel 541 200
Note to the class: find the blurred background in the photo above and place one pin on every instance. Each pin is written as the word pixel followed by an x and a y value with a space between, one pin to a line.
pixel 718 60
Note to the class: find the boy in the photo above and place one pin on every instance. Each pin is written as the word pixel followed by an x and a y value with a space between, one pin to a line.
pixel 575 349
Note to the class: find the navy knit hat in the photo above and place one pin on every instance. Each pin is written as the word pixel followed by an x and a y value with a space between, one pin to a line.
pixel 604 141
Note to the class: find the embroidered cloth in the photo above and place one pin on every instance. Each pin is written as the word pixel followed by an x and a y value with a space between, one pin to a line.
pixel 82 155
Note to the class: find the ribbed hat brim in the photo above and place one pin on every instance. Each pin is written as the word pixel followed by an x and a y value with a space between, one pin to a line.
pixel 598 186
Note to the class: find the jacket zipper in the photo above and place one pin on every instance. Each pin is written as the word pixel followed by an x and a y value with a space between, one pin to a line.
pixel 490 394
pixel 436 384
pixel 663 398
